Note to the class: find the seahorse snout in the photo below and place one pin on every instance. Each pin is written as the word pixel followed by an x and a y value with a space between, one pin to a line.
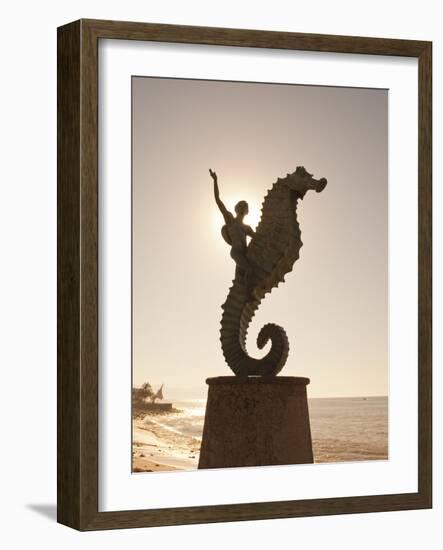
pixel 321 184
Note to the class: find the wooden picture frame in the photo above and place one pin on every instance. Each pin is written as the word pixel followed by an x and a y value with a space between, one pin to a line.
pixel 77 480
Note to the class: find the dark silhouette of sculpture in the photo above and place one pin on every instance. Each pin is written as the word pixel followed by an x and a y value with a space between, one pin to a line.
pixel 261 266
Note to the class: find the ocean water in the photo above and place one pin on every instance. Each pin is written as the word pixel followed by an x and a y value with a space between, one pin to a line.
pixel 343 429
pixel 349 429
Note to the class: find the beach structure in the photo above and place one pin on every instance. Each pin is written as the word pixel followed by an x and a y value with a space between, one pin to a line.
pixel 145 399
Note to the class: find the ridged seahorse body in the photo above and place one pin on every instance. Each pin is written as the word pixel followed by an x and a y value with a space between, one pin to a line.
pixel 272 253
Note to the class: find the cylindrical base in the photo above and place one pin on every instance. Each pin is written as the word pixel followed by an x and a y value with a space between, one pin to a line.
pixel 257 421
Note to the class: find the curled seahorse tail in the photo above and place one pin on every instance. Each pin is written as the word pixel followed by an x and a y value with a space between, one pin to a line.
pixel 279 351
pixel 238 311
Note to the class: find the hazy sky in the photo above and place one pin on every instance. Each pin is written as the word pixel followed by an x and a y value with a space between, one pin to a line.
pixel 334 304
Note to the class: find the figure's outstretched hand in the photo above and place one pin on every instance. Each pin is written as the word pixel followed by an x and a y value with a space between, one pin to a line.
pixel 213 175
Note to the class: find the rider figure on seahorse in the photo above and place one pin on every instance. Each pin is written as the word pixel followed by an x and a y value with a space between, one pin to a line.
pixel 235 232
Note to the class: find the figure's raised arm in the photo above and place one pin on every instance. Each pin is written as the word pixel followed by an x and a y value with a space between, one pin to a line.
pixel 226 214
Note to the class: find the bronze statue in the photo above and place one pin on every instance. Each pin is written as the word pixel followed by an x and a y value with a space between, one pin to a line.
pixel 261 266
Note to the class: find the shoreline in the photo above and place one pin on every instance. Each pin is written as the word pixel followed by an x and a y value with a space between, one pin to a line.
pixel 156 447
pixel 170 441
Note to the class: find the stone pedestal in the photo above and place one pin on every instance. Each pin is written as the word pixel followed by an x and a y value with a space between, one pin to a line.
pixel 256 421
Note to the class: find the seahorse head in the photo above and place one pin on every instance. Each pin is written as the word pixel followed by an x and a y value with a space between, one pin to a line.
pixel 301 181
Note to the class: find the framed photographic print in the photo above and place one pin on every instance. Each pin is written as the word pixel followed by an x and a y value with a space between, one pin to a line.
pixel 244 274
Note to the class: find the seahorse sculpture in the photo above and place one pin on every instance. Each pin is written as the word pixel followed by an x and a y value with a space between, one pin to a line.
pixel 261 266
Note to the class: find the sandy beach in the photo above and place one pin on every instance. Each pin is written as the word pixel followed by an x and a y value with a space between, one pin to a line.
pixel 157 447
